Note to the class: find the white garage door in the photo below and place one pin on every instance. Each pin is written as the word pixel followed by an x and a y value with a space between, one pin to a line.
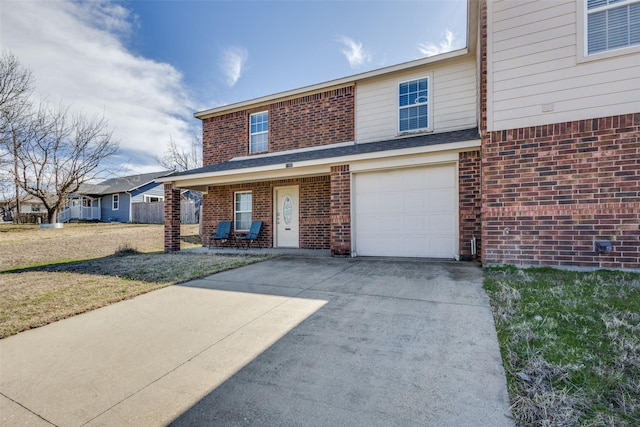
pixel 407 212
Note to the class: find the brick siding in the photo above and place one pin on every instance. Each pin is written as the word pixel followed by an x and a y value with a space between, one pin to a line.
pixel 340 210
pixel 218 205
pixel 225 137
pixel 469 201
pixel 171 218
pixel 549 191
pixel 308 121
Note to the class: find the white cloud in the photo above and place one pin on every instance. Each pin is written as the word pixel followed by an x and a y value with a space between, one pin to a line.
pixel 354 52
pixel 232 63
pixel 75 52
pixel 447 45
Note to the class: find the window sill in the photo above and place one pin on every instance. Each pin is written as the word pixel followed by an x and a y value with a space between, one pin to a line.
pixel 413 132
pixel 607 54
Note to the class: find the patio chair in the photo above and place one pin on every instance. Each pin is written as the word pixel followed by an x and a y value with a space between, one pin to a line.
pixel 223 233
pixel 251 236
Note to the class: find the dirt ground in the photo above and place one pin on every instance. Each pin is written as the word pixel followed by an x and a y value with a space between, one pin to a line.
pixel 28 245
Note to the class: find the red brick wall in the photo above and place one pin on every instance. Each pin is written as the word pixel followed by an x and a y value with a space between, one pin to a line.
pixel 340 210
pixel 313 211
pixel 225 137
pixel 319 119
pixel 313 120
pixel 315 223
pixel 171 218
pixel 470 201
pixel 549 191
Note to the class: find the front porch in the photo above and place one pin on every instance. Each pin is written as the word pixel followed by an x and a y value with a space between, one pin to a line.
pixel 321 204
pixel 81 209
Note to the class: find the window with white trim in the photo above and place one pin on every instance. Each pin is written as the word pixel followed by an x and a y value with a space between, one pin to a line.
pixel 259 132
pixel 115 202
pixel 612 24
pixel 413 105
pixel 153 199
pixel 242 210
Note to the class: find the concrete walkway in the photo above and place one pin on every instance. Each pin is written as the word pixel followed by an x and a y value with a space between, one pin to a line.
pixel 289 341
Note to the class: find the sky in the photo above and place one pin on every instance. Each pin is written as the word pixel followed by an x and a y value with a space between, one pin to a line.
pixel 148 65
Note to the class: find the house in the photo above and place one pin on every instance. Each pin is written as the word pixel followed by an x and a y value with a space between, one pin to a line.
pixel 523 146
pixel 110 200
pixel 29 205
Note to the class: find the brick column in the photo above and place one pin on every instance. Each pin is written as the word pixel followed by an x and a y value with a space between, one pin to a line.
pixel 484 134
pixel 340 211
pixel 171 218
pixel 469 202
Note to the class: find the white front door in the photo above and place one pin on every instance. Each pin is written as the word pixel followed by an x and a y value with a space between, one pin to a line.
pixel 286 212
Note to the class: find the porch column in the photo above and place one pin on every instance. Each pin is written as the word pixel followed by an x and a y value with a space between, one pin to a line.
pixel 171 218
pixel 340 210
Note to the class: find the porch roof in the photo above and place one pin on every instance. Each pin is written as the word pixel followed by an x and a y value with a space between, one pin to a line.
pixel 328 153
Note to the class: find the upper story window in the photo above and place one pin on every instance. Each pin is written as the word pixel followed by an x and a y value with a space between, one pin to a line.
pixel 115 202
pixel 413 104
pixel 612 24
pixel 259 132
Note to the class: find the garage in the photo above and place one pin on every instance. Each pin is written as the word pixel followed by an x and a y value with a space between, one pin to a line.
pixel 410 212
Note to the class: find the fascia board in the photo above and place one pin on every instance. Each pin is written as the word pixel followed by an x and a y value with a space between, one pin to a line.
pixel 342 82
pixel 309 167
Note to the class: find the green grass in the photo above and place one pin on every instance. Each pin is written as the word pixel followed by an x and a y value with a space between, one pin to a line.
pixel 570 344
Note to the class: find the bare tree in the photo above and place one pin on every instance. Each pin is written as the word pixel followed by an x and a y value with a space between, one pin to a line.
pixel 16 82
pixel 61 152
pixel 16 87
pixel 182 159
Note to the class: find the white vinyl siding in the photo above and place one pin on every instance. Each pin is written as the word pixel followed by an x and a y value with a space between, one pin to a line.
pixel 242 210
pixel 452 100
pixel 536 76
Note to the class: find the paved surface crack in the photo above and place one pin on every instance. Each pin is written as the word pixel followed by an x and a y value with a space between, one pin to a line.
pixel 27 409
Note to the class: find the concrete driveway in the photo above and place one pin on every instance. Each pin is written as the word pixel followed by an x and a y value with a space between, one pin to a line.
pixel 289 341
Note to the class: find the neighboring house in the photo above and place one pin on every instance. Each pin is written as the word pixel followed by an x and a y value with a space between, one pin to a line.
pixel 28 205
pixel 525 145
pixel 110 200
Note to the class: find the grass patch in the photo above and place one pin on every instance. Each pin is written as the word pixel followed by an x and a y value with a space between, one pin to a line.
pixel 50 274
pixel 570 344
pixel 27 245
pixel 34 297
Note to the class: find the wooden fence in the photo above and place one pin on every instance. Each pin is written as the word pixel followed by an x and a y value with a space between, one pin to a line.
pixel 153 213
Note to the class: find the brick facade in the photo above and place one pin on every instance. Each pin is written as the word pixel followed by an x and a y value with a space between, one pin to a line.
pixel 308 121
pixel 171 218
pixel 469 202
pixel 548 192
pixel 313 212
pixel 340 210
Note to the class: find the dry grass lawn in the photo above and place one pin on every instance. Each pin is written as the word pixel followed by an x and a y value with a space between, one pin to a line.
pixel 27 245
pixel 50 274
